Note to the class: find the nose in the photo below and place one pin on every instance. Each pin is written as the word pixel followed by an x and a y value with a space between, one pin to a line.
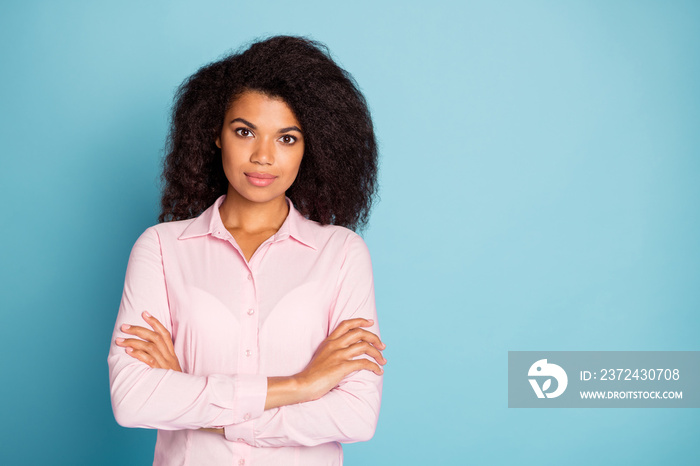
pixel 264 152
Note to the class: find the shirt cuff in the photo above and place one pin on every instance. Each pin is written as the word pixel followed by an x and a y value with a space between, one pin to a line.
pixel 244 399
pixel 243 432
pixel 249 397
pixel 252 394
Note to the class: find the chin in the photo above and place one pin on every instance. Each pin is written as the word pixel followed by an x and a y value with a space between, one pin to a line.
pixel 259 196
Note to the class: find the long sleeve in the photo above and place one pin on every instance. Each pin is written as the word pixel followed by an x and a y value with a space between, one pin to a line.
pixel 165 399
pixel 349 412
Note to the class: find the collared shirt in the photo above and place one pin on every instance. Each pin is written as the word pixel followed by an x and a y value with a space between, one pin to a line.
pixel 234 323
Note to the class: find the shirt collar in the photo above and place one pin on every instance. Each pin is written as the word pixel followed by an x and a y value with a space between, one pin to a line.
pixel 295 225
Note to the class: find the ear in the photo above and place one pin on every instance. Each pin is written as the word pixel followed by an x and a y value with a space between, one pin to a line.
pixel 218 142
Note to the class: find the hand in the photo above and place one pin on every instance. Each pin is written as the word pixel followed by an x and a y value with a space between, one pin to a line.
pixel 155 347
pixel 336 357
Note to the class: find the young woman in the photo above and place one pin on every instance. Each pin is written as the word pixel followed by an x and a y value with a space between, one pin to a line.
pixel 247 330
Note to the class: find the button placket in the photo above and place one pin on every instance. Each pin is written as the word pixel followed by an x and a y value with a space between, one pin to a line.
pixel 248 346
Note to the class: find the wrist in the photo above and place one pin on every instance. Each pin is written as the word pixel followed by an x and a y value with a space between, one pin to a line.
pixel 282 391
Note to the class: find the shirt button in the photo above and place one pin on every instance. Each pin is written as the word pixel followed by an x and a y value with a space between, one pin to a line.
pixel 250 277
pixel 241 440
pixel 248 352
pixel 246 417
pixel 241 461
pixel 251 312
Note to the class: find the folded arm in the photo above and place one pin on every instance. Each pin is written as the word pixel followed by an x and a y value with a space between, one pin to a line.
pixel 336 398
pixel 348 409
pixel 153 397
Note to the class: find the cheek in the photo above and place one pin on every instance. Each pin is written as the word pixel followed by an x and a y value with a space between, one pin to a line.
pixel 230 167
pixel 294 168
pixel 231 155
pixel 298 157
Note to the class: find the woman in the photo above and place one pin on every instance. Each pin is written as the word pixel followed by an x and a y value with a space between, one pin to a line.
pixel 247 320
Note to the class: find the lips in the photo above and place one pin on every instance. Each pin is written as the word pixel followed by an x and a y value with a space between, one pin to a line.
pixel 260 179
pixel 264 176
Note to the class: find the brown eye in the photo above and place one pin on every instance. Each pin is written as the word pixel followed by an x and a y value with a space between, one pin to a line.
pixel 287 139
pixel 243 132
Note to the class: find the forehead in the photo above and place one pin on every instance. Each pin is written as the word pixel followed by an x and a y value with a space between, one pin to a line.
pixel 259 108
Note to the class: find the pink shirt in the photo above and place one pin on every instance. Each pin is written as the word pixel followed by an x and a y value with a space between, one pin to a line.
pixel 234 323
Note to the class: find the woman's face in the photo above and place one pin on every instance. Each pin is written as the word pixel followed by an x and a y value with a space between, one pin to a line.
pixel 261 147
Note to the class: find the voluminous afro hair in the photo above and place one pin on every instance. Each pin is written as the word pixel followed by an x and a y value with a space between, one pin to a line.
pixel 337 178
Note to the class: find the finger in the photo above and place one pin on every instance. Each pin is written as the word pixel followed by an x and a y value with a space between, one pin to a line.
pixel 359 334
pixel 212 429
pixel 147 335
pixel 141 332
pixel 349 324
pixel 145 347
pixel 160 329
pixel 135 343
pixel 364 364
pixel 165 338
pixel 362 347
pixel 141 356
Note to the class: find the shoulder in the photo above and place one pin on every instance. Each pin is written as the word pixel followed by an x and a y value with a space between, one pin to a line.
pixel 346 246
pixel 333 237
pixel 156 235
pixel 171 229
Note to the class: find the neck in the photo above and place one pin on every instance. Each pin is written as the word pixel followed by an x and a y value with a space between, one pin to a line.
pixel 240 213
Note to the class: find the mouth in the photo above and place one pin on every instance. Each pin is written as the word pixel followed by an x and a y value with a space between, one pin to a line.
pixel 260 179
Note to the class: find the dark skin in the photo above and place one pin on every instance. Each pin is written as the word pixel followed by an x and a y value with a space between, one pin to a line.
pixel 261 137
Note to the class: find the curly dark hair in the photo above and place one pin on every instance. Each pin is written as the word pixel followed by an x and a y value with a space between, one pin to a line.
pixel 337 179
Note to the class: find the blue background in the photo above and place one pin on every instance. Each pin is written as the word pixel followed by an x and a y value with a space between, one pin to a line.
pixel 539 191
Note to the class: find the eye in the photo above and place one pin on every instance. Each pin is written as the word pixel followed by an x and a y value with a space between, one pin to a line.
pixel 288 139
pixel 244 132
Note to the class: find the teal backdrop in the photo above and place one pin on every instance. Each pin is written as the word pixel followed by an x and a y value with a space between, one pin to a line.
pixel 540 179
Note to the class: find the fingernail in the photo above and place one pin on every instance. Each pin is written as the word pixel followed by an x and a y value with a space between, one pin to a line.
pixel 145 313
pixel 371 322
pixel 126 327
pixel 129 349
pixel 119 341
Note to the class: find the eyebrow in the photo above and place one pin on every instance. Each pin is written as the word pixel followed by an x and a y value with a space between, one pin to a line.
pixel 290 128
pixel 283 130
